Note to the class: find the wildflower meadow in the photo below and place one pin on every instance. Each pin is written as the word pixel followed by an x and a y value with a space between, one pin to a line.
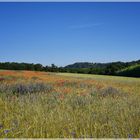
pixel 62 105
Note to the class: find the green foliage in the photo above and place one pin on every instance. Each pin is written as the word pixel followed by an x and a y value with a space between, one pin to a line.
pixel 17 66
pixel 132 71
pixel 114 68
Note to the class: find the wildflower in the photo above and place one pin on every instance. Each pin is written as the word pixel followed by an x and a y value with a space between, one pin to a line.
pixel 73 134
pixel 1 126
pixel 15 123
pixel 130 135
pixel 1 79
pixel 6 131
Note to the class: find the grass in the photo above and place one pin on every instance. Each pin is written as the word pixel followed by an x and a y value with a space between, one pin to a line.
pixel 132 71
pixel 49 105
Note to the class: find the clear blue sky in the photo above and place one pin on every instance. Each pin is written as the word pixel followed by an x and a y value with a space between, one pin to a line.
pixel 64 33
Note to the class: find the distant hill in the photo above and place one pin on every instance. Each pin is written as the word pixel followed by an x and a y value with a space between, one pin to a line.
pixel 86 65
pixel 100 65
pixel 131 71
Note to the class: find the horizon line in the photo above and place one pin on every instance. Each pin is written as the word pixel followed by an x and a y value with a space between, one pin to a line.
pixel 70 63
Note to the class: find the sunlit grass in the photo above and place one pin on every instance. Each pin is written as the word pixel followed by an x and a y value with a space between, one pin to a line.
pixel 69 105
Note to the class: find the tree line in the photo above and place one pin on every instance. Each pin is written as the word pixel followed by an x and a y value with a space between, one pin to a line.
pixel 86 68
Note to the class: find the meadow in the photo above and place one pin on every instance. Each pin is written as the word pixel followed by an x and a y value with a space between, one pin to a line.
pixel 63 105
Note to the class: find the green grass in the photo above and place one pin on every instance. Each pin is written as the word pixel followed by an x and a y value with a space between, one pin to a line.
pixel 101 113
pixel 100 77
pixel 132 71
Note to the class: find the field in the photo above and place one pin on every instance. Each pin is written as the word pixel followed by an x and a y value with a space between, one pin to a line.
pixel 63 105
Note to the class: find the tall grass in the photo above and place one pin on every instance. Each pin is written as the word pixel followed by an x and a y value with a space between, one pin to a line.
pixel 46 113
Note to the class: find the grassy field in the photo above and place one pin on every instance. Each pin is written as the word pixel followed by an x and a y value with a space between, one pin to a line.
pixel 62 105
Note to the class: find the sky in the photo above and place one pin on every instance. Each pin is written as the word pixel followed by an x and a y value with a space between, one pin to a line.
pixel 65 33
